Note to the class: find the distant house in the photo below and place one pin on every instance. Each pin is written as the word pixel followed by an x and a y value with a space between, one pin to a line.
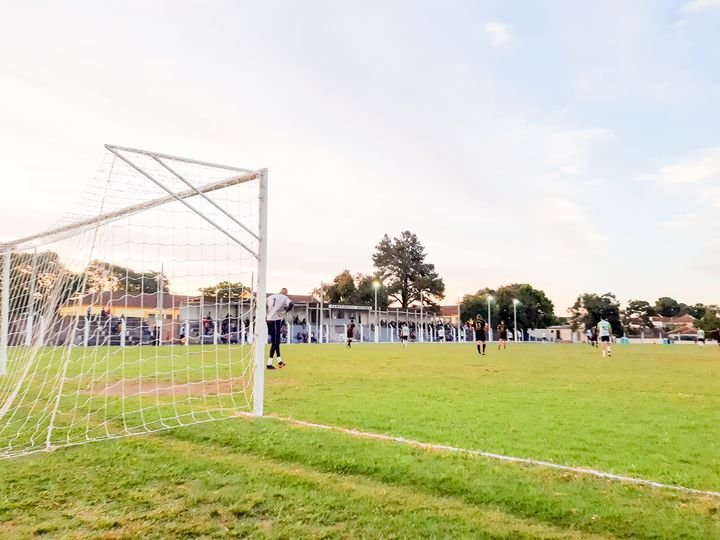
pixel 671 323
pixel 450 314
pixel 685 330
pixel 559 332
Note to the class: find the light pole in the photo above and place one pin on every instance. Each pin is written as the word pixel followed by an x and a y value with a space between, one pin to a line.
pixel 490 331
pixel 515 303
pixel 421 333
pixel 376 286
pixel 320 312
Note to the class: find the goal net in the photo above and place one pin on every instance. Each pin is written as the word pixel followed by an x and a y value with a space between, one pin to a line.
pixel 139 310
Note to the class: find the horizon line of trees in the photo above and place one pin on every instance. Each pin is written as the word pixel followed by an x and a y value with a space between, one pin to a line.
pixel 402 276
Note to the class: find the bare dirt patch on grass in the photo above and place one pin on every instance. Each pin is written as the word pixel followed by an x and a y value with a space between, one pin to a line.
pixel 133 387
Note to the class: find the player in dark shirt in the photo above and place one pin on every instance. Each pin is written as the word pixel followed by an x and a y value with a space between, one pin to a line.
pixel 502 336
pixel 350 333
pixel 480 328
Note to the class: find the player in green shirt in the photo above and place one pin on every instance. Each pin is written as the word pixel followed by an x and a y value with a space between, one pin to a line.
pixel 604 331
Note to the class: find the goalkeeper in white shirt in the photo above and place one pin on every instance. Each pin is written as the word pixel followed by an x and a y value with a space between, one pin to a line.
pixel 277 306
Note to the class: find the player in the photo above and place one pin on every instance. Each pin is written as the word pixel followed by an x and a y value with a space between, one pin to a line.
pixel 604 330
pixel 701 337
pixel 350 333
pixel 589 335
pixel 404 334
pixel 502 336
pixel 594 336
pixel 277 306
pixel 480 327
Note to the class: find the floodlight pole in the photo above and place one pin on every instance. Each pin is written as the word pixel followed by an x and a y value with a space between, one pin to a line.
pixel 515 303
pixel 320 312
pixel 376 286
pixel 5 307
pixel 422 321
pixel 260 337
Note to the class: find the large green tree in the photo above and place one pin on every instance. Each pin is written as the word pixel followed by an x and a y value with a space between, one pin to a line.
pixel 590 307
pixel 103 276
pixel 636 316
pixel 342 290
pixel 697 311
pixel 354 289
pixel 401 265
pixel 534 308
pixel 710 322
pixel 668 307
pixel 476 304
pixel 226 290
pixel 44 276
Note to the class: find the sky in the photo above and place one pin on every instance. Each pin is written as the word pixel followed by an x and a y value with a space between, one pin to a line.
pixel 570 145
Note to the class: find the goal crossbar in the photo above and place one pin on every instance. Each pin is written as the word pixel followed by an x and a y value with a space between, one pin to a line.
pixel 176 158
pixel 182 200
pixel 68 230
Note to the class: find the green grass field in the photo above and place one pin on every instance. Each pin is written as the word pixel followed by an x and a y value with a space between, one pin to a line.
pixel 650 412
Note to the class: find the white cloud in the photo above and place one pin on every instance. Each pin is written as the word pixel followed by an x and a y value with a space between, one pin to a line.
pixel 700 5
pixel 680 223
pixel 497 33
pixel 703 168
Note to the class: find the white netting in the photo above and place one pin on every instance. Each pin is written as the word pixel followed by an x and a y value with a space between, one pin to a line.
pixel 135 313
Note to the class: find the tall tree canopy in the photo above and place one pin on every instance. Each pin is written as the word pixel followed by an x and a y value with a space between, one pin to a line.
pixel 668 307
pixel 53 284
pixel 636 315
pixel 357 289
pixel 227 290
pixel 697 311
pixel 534 308
pixel 104 276
pixel 590 307
pixel 401 265
pixel 710 322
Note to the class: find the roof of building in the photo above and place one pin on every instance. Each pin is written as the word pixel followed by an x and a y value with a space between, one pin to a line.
pixel 686 318
pixel 448 311
pixel 684 330
pixel 109 299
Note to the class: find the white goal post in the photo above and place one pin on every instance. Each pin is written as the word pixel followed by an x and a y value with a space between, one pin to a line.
pixel 142 309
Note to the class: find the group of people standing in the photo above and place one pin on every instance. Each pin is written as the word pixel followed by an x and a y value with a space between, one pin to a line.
pixel 480 328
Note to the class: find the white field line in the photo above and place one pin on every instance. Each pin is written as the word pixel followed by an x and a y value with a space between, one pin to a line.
pixel 489 455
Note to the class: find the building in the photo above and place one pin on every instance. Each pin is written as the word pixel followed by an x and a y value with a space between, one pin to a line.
pixel 450 314
pixel 670 323
pixel 123 304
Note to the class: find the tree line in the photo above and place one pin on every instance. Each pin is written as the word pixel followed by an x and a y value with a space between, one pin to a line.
pixel 402 276
pixel 405 278
pixel 637 315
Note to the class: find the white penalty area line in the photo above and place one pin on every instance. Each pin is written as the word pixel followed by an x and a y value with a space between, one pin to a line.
pixel 489 455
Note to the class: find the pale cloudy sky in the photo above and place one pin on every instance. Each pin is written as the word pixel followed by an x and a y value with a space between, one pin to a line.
pixel 571 145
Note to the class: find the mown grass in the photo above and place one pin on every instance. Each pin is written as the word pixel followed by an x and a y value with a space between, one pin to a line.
pixel 649 411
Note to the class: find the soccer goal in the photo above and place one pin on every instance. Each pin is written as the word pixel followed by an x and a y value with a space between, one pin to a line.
pixel 143 309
